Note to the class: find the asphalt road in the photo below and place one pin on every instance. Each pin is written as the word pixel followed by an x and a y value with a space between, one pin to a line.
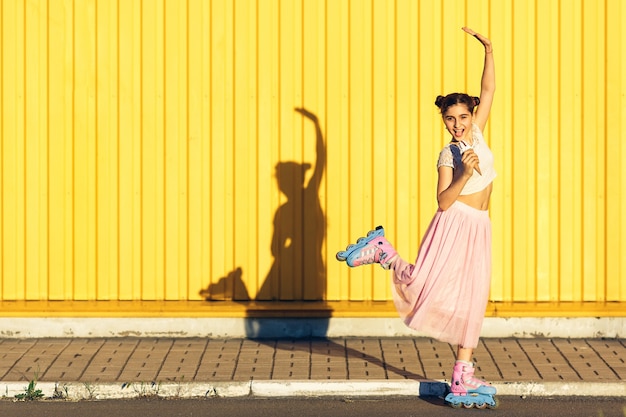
pixel 313 407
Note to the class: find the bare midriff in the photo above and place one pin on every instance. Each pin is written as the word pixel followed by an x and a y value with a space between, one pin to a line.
pixel 479 200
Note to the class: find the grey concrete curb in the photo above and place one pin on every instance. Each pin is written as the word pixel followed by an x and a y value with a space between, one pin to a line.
pixel 219 328
pixel 339 388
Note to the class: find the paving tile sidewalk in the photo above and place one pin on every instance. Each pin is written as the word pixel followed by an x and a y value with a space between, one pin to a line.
pixel 127 360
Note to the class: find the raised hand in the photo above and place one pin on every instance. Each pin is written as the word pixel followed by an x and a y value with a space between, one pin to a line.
pixel 484 40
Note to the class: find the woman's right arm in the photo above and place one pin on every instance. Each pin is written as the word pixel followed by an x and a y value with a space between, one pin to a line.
pixel 449 185
pixel 451 181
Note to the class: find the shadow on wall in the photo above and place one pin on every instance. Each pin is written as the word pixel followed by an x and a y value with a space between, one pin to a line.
pixel 257 325
pixel 298 272
pixel 228 288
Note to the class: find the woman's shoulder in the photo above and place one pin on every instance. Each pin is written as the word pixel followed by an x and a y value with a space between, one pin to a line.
pixel 447 149
pixel 477 134
pixel 446 157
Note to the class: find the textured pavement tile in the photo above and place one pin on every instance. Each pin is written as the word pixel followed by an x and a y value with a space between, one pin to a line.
pixel 73 361
pixel 36 360
pixel 437 358
pixel 613 353
pixel 511 361
pixel 548 360
pixel 183 359
pixel 143 360
pixel 402 359
pixel 107 364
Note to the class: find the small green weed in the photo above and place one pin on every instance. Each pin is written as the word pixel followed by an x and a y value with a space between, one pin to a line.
pixel 61 393
pixel 91 390
pixel 30 392
pixel 179 386
pixel 144 389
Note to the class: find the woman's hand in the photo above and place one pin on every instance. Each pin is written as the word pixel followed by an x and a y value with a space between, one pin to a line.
pixel 485 41
pixel 470 163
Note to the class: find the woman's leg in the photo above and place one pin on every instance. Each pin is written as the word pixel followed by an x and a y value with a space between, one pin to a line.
pixel 463 378
pixel 464 354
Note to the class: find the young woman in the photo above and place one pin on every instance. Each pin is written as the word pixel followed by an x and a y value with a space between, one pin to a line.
pixel 444 293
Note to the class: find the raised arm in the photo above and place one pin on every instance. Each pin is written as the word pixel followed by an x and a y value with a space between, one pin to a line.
pixel 488 81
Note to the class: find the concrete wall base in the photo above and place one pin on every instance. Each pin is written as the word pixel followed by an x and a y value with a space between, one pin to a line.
pixel 602 327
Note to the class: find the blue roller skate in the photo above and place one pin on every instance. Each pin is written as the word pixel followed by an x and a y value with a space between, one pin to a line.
pixel 467 391
pixel 373 248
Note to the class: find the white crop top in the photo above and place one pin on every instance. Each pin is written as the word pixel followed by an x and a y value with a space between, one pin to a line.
pixel 450 156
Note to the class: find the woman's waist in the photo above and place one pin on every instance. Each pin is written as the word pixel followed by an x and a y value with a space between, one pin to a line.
pixel 478 200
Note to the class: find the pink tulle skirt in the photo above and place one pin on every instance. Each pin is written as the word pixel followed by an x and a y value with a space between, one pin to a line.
pixel 444 294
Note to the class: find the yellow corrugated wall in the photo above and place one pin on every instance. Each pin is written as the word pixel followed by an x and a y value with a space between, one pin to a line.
pixel 155 150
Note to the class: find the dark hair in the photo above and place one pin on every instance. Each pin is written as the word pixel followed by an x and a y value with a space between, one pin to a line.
pixel 456 98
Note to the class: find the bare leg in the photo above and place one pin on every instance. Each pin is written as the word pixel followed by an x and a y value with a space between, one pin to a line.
pixel 465 389
pixel 465 368
pixel 464 354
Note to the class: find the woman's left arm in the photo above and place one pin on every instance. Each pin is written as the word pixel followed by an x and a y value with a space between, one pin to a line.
pixel 488 81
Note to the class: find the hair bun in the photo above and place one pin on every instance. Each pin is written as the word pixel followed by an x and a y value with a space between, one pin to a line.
pixel 452 99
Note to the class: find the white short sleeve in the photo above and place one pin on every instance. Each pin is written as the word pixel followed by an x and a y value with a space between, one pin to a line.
pixel 446 158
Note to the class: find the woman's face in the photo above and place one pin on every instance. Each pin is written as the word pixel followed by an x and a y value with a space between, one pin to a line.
pixel 458 121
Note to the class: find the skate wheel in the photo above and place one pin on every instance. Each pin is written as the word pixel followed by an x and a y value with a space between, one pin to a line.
pixel 349 248
pixel 455 405
pixel 343 255
pixel 493 407
pixel 481 406
pixel 468 405
pixel 360 240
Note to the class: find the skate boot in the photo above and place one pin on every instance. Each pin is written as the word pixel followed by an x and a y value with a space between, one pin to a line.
pixel 373 248
pixel 467 391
